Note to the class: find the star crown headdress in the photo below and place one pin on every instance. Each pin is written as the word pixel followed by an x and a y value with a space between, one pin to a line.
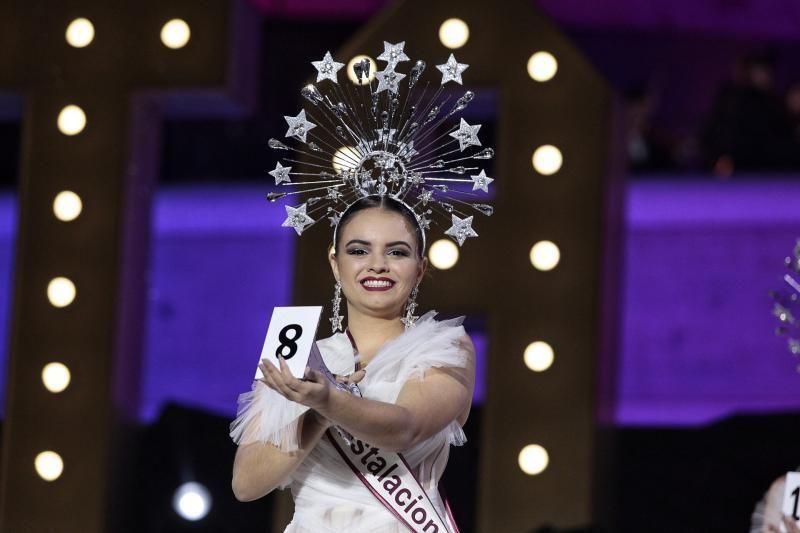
pixel 384 137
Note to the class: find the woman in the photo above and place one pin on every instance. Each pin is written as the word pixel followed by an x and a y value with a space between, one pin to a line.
pixel 416 385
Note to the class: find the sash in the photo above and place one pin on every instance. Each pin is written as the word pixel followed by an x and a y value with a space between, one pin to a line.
pixel 389 478
pixel 386 475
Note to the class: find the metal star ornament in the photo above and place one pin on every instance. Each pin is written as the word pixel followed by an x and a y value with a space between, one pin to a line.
pixel 327 68
pixel 299 126
pixel 281 174
pixel 481 181
pixel 461 230
pixel 393 53
pixel 466 135
pixel 452 70
pixel 389 79
pixel 297 218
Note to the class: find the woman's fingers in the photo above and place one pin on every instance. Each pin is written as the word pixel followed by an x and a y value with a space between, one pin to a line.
pixel 355 377
pixel 278 379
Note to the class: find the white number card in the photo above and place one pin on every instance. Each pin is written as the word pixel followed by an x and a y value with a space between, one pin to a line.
pixel 791 497
pixel 291 334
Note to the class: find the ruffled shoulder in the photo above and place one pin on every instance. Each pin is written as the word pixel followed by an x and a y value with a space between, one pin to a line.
pixel 263 415
pixel 429 344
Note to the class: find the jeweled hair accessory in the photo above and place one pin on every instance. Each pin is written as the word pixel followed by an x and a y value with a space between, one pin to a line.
pixel 390 135
pixel 786 306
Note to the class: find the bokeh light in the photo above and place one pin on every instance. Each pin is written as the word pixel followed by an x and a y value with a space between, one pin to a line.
pixel 80 33
pixel 545 255
pixel 547 159
pixel 56 377
pixel 538 356
pixel 192 501
pixel 61 292
pixel 71 120
pixel 454 33
pixel 443 254
pixel 67 206
pixel 175 34
pixel 352 75
pixel 49 465
pixel 345 158
pixel 542 66
pixel 533 459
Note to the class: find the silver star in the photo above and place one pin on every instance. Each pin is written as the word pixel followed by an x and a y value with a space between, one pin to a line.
pixel 297 218
pixel 389 79
pixel 393 53
pixel 481 181
pixel 333 193
pixel 425 197
pixel 451 71
pixel 299 126
pixel 327 68
pixel 336 322
pixel 467 135
pixel 424 222
pixel 335 218
pixel 281 174
pixel 461 229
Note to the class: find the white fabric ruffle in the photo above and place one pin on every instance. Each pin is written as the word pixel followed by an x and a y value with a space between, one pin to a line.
pixel 265 416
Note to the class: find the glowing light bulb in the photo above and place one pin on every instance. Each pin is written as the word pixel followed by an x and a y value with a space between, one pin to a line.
pixel 56 377
pixel 454 33
pixel 192 501
pixel 71 120
pixel 61 292
pixel 49 465
pixel 67 206
pixel 345 158
pixel 538 356
pixel 542 66
pixel 547 159
pixel 545 255
pixel 175 34
pixel 443 254
pixel 357 59
pixel 80 33
pixel 533 459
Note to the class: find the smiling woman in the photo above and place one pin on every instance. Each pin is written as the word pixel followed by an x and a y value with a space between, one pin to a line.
pixel 368 456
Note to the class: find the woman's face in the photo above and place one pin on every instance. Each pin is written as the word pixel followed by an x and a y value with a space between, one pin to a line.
pixel 377 262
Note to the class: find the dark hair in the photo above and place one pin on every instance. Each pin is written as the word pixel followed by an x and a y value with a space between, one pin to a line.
pixel 386 203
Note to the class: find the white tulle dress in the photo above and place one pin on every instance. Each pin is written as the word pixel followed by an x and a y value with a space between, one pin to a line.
pixel 327 495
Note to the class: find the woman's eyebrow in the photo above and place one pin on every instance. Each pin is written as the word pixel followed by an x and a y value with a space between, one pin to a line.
pixel 398 243
pixel 358 241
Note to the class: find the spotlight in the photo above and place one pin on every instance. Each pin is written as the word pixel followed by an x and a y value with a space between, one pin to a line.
pixel 542 66
pixel 443 254
pixel 61 292
pixel 192 501
pixel 67 206
pixel 175 34
pixel 533 459
pixel 49 465
pixel 545 255
pixel 346 158
pixel 547 159
pixel 80 33
pixel 352 75
pixel 454 33
pixel 56 377
pixel 538 356
pixel 71 120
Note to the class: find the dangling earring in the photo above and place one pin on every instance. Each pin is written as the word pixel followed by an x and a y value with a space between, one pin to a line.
pixel 336 318
pixel 410 319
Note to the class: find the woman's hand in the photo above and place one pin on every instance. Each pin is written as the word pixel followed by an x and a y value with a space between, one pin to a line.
pixel 312 391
